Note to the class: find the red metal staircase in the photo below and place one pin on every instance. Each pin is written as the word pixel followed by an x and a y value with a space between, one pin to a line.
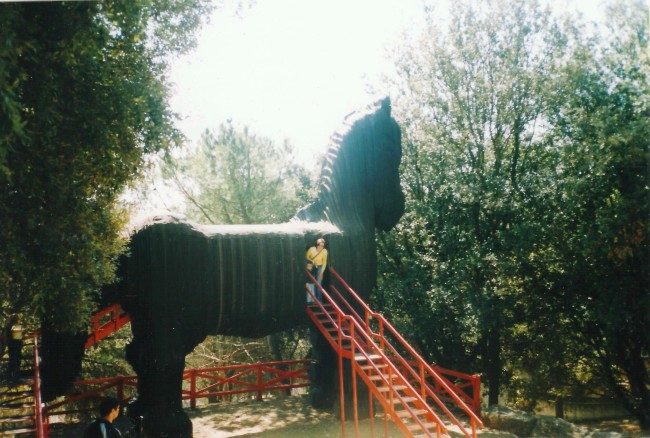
pixel 106 322
pixel 422 400
pixel 414 394
pixel 21 409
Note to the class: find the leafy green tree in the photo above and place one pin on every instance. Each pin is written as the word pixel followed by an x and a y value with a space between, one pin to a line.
pixel 474 96
pixel 83 98
pixel 523 253
pixel 601 219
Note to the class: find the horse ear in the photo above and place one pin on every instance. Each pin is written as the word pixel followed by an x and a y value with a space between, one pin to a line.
pixel 385 105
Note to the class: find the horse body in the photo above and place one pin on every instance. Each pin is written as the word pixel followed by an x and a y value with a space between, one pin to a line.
pixel 183 281
pixel 234 274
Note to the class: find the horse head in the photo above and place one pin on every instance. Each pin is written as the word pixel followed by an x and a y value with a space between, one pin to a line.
pixel 360 183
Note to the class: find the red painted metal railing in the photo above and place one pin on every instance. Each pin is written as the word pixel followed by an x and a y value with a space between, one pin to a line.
pixel 40 427
pixel 105 322
pixel 375 348
pixel 435 377
pixel 231 380
pixel 92 389
pixel 426 383
pixel 350 340
pixel 41 423
pixel 257 379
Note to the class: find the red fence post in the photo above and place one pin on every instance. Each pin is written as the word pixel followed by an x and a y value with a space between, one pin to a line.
pixel 259 381
pixel 120 389
pixel 476 383
pixel 42 425
pixel 193 389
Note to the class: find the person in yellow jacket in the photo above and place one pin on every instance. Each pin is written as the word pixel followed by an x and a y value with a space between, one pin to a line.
pixel 318 255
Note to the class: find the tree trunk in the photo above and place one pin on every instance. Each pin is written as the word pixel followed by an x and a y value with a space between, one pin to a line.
pixel 493 368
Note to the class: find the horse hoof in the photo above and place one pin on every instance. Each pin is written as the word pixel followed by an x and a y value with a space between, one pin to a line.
pixel 174 424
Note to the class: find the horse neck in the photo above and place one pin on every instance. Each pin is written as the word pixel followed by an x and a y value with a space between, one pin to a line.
pixel 348 209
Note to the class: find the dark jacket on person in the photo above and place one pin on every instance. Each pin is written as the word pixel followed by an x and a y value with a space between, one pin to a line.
pixel 100 428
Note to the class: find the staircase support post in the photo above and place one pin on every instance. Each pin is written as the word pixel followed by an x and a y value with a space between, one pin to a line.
pixel 341 394
pixel 354 385
pixel 371 414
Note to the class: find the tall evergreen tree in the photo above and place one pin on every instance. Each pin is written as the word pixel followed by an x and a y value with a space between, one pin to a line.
pixel 238 177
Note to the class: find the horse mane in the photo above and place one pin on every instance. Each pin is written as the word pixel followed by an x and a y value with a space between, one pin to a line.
pixel 352 142
pixel 285 229
pixel 339 140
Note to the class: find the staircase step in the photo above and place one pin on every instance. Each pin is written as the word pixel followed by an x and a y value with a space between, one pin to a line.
pixel 9 406
pixel 316 304
pixel 14 396
pixel 371 368
pixel 395 388
pixel 444 435
pixel 24 385
pixel 405 413
pixel 404 400
pixel 15 432
pixel 11 420
pixel 336 329
pixel 383 377
pixel 361 357
pixel 428 426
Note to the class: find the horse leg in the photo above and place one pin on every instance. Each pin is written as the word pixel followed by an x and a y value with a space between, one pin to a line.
pixel 159 361
pixel 324 374
pixel 325 381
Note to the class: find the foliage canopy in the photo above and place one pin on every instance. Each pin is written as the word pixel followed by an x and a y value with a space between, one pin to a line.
pixel 524 247
pixel 83 97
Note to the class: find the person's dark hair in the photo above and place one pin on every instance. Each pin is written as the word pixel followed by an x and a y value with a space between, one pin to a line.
pixel 107 405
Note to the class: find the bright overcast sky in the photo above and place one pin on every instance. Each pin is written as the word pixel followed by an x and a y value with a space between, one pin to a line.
pixel 292 68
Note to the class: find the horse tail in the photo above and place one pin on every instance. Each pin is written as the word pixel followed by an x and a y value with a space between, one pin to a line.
pixel 62 352
pixel 114 293
pixel 61 355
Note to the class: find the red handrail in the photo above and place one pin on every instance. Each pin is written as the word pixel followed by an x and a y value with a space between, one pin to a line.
pixel 474 380
pixel 424 367
pixel 268 376
pixel 357 329
pixel 101 330
pixel 383 322
pixel 298 378
pixel 394 376
pixel 118 383
pixel 41 424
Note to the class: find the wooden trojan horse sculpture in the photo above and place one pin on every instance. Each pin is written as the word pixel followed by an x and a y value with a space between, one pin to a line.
pixel 183 281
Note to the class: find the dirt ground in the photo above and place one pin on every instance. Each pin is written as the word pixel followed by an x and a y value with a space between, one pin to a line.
pixel 292 417
pixel 286 417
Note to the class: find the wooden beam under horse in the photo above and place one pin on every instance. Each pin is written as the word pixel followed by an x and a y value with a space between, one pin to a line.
pixel 183 281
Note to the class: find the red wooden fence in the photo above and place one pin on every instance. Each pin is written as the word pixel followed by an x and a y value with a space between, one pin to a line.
pixel 259 379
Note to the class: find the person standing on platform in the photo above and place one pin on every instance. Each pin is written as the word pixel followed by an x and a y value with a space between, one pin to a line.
pixel 309 282
pixel 318 255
